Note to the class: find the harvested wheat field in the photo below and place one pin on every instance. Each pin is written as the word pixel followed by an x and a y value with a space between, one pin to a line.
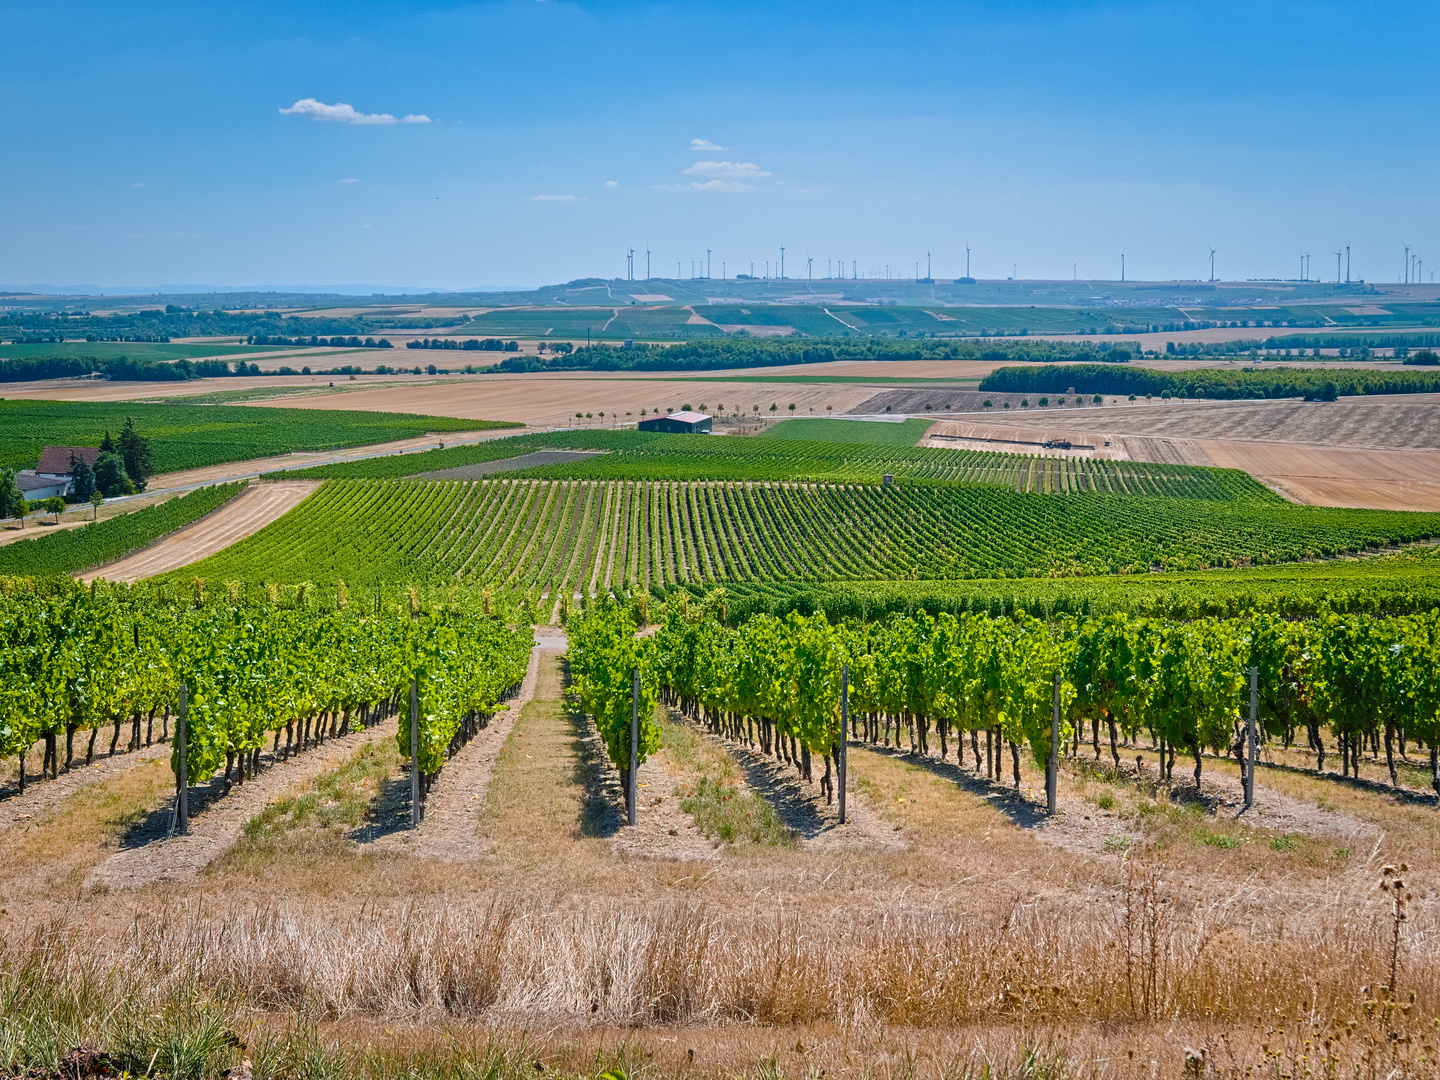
pixel 950 926
pixel 247 513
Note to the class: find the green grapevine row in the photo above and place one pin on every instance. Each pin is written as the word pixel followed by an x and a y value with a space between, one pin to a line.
pixel 567 537
pixel 76 660
pixel 603 653
pixel 776 682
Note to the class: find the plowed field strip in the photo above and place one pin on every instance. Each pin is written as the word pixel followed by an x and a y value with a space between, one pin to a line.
pixel 247 513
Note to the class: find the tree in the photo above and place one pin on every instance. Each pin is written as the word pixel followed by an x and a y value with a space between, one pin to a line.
pixel 95 500
pixel 107 444
pixel 135 450
pixel 22 508
pixel 111 477
pixel 82 479
pixel 54 505
pixel 9 494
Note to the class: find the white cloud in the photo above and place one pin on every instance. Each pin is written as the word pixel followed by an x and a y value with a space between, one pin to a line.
pixel 137 185
pixel 734 170
pixel 704 144
pixel 610 183
pixel 348 180
pixel 341 113
pixel 555 198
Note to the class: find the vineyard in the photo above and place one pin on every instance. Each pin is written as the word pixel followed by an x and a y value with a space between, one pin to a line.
pixel 193 436
pixel 104 541
pixel 632 455
pixel 80 661
pixel 775 683
pixel 552 537
pixel 1397 583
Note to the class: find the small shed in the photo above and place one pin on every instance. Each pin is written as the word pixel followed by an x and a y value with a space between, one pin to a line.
pixel 680 423
pixel 34 488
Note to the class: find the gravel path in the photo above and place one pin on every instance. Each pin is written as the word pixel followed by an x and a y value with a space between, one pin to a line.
pixel 216 819
pixel 450 831
pixel 42 795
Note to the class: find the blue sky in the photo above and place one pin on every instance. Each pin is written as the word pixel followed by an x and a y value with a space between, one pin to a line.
pixel 146 143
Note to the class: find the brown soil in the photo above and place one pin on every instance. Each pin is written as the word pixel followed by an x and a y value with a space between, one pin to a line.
pixel 246 513
pixel 217 818
pixel 450 831
pixel 43 795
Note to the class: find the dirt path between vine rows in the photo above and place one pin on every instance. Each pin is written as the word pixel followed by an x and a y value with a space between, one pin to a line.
pixel 41 795
pixel 451 829
pixel 217 819
pixel 247 513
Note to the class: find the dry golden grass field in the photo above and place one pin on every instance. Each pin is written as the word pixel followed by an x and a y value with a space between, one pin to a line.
pixel 950 929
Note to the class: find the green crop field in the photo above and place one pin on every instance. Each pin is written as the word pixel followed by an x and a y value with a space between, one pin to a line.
pixel 144 351
pixel 546 535
pixel 192 436
pixel 870 432
pixel 636 455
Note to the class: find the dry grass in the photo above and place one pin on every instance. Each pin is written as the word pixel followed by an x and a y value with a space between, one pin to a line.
pixel 981 946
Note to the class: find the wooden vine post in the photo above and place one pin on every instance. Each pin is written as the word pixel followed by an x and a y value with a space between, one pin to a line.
pixel 182 778
pixel 633 793
pixel 1252 737
pixel 1052 761
pixel 844 733
pixel 414 756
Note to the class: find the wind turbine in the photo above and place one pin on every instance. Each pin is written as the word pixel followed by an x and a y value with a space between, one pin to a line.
pixel 1212 265
pixel 782 262
pixel 1337 255
pixel 707 264
pixel 1407 264
pixel 647 262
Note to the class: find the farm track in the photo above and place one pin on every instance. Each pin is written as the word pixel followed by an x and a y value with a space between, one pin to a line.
pixel 450 831
pixel 247 513
pixel 146 856
pixel 42 795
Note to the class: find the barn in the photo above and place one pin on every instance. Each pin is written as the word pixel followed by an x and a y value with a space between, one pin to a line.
pixel 680 423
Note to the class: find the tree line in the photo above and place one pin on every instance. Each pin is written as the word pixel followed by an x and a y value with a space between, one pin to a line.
pixel 1222 383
